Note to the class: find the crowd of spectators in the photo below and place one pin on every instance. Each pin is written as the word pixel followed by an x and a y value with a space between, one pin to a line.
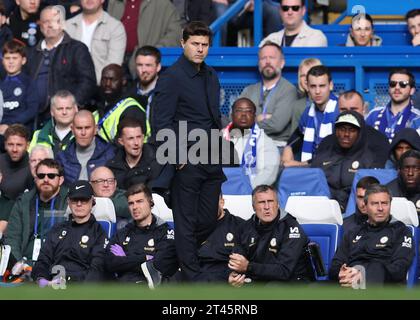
pixel 88 92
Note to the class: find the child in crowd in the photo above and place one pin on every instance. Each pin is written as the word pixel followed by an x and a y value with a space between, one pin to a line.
pixel 19 91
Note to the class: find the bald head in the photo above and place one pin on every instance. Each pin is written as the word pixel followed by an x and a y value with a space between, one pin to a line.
pixel 103 182
pixel 84 128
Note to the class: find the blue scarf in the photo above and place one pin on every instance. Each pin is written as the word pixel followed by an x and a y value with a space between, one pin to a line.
pixel 315 133
pixel 390 129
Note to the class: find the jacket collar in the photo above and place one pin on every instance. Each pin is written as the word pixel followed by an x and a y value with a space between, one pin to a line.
pixel 77 20
pixel 66 39
pixel 189 67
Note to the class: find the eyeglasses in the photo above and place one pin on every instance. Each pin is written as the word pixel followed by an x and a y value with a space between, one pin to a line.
pixel 294 8
pixel 402 84
pixel 102 181
pixel 49 175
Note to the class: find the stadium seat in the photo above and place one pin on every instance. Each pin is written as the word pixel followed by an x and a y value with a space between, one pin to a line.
pixel 405 211
pixel 237 192
pixel 104 210
pixel 383 175
pixel 327 236
pixel 413 273
pixel 302 182
pixel 321 220
pixel 239 205
pixel 108 228
pixel 314 209
pixel 237 182
pixel 161 210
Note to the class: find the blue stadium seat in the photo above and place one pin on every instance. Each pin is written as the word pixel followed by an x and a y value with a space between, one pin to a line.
pixel 302 182
pixel 414 273
pixel 108 227
pixel 383 175
pixel 327 236
pixel 237 182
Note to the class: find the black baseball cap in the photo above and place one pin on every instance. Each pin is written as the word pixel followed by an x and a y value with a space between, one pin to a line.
pixel 81 189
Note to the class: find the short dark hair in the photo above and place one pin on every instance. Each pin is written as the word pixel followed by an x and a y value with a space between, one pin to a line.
pixel 140 188
pixel 413 153
pixel 14 46
pixel 243 99
pixel 52 164
pixel 412 14
pixel 350 93
pixel 302 2
pixel 196 28
pixel 365 182
pixel 411 78
pixel 128 123
pixel 318 71
pixel 17 129
pixel 365 16
pixel 263 188
pixel 376 188
pixel 149 51
pixel 272 44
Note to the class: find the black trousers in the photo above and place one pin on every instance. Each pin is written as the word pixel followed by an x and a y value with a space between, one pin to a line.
pixel 195 196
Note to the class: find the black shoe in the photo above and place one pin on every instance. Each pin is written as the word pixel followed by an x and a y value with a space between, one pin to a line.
pixel 153 276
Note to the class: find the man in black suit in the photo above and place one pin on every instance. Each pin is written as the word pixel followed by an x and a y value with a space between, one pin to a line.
pixel 186 99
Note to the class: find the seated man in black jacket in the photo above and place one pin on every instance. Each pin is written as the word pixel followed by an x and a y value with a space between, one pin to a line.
pixel 78 244
pixel 359 217
pixel 379 251
pixel 215 251
pixel 273 244
pixel 145 248
pixel 407 184
pixel 345 154
pixel 135 162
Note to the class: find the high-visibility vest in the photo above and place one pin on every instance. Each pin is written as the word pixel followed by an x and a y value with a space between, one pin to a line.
pixel 109 126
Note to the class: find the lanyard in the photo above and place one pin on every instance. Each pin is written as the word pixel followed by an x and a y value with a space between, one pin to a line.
pixel 268 96
pixel 149 95
pixel 37 213
pixel 109 113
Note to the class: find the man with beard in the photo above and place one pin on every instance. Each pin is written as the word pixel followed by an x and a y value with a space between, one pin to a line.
pixel 274 96
pixel 15 175
pixel 148 66
pixel 399 112
pixel 407 184
pixel 347 153
pixel 114 105
pixel 36 211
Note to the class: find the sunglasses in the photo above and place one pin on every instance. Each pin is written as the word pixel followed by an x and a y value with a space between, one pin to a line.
pixel 49 175
pixel 294 8
pixel 82 200
pixel 402 84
